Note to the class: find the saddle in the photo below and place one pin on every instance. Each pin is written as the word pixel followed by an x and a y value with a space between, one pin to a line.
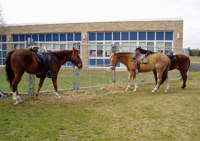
pixel 171 55
pixel 140 58
pixel 44 58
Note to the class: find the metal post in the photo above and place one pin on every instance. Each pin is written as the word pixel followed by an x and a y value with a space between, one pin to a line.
pixel 113 49
pixel 31 84
pixel 75 78
pixel 113 76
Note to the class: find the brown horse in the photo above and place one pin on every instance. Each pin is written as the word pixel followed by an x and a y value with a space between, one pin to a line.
pixel 181 63
pixel 157 62
pixel 22 60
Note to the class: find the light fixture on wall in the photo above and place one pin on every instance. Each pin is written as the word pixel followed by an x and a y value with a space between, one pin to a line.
pixel 178 35
pixel 8 39
pixel 84 36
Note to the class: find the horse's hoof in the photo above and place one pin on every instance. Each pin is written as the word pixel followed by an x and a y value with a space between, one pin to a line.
pixel 134 90
pixel 16 103
pixel 36 99
pixel 165 91
pixel 152 92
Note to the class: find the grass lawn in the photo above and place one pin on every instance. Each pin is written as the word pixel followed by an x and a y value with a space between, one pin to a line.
pixel 106 113
pixel 195 59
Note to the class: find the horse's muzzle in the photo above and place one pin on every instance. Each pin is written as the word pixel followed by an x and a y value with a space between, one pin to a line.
pixel 80 67
pixel 112 67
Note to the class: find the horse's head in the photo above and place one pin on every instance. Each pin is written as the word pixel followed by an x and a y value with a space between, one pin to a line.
pixel 76 59
pixel 113 61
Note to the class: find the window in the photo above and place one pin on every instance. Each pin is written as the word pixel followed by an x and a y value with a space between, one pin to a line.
pixel 35 37
pixel 55 37
pixel 41 37
pixel 92 36
pixel 99 49
pixel 48 37
pixel 62 37
pixel 150 35
pixel 150 46
pixel 142 35
pixel 143 45
pixel 125 35
pixel 125 47
pixel 70 37
pixel 28 36
pixel 116 35
pixel 133 35
pixel 108 49
pixel 159 35
pixel 77 36
pixel 100 36
pixel 168 35
pixel 108 36
pixel 15 38
pixel 92 49
pixel 22 37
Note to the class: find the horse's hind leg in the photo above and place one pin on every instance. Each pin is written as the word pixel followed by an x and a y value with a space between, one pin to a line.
pixel 16 97
pixel 159 80
pixel 54 80
pixel 184 77
pixel 167 81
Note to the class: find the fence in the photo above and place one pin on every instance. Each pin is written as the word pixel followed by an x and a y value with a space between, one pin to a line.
pixel 95 74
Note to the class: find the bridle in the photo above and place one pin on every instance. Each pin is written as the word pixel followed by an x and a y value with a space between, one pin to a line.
pixel 115 58
pixel 73 57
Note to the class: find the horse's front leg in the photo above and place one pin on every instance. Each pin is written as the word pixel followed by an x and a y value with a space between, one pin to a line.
pixel 129 79
pixel 134 79
pixel 39 86
pixel 54 80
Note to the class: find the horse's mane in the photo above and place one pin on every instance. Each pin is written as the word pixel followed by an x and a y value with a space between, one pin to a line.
pixel 123 52
pixel 143 51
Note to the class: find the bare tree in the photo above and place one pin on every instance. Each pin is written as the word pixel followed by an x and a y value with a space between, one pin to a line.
pixel 2 22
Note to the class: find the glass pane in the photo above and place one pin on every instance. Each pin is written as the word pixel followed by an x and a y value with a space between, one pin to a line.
pixel 168 44
pixel 142 35
pixel 55 37
pixel 133 35
pixel 125 46
pixel 62 37
pixel 100 49
pixel 107 53
pixel 77 36
pixel 160 44
pixel 133 46
pixel 48 37
pixel 168 35
pixel 150 35
pixel 125 35
pixel 42 46
pixel 22 46
pixel 159 35
pixel 108 36
pixel 62 47
pixel 142 44
pixel 48 46
pixel 92 47
pixel 116 35
pixel 100 36
pixel 108 47
pixel 92 36
pixel 70 46
pixel 56 47
pixel 16 46
pixel 69 36
pixel 150 46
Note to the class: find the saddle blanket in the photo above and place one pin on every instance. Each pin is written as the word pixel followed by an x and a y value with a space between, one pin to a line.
pixel 141 59
pixel 43 57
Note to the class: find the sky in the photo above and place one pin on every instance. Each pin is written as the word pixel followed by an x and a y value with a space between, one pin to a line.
pixel 64 11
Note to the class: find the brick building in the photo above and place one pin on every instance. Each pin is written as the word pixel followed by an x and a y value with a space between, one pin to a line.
pixel 164 33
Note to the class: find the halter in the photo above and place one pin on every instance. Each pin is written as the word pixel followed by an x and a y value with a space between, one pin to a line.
pixel 77 61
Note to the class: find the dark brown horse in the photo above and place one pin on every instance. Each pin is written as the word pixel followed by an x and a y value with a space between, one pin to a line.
pixel 157 62
pixel 22 60
pixel 181 63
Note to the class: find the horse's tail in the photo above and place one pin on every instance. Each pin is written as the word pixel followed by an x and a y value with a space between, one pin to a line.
pixel 164 76
pixel 9 72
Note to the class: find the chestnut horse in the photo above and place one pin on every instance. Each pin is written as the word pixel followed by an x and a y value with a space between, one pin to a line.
pixel 157 62
pixel 22 60
pixel 181 63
